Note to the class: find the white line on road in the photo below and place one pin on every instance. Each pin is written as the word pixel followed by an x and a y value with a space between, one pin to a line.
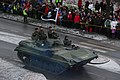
pixel 98 50
pixel 9 34
pixel 93 45
pixel 11 38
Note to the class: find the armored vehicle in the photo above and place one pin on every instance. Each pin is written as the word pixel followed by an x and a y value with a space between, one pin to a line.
pixel 52 55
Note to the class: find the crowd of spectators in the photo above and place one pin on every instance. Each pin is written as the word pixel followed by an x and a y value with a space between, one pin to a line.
pixel 90 17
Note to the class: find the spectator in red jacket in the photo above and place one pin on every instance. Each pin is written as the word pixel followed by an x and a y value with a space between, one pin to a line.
pixel 27 4
pixel 46 9
pixel 77 20
pixel 80 4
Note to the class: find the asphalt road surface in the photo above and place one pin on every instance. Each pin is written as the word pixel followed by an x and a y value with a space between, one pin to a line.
pixel 88 72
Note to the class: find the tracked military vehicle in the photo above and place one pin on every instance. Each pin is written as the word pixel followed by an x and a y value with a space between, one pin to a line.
pixel 52 55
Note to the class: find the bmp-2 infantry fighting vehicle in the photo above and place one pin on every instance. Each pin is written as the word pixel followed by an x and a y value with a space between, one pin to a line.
pixel 52 55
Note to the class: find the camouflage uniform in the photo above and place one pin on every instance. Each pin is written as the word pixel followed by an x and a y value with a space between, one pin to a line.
pixel 52 34
pixel 35 35
pixel 55 35
pixel 42 35
pixel 67 42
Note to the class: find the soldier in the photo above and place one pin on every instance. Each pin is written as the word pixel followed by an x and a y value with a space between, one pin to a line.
pixel 55 35
pixel 66 41
pixel 41 34
pixel 52 34
pixel 35 34
pixel 25 14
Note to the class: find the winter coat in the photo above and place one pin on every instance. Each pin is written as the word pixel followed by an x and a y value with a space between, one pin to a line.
pixel 76 19
pixel 87 4
pixel 27 5
pixel 46 9
pixel 97 6
pixel 70 17
pixel 79 3
pixel 103 6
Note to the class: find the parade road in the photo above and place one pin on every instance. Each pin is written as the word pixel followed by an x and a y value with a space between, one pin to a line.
pixel 11 33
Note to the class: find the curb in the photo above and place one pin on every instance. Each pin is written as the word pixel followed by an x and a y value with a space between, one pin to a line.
pixel 56 30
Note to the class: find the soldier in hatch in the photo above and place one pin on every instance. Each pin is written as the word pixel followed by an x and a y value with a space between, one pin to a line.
pixel 35 34
pixel 66 41
pixel 41 34
pixel 52 34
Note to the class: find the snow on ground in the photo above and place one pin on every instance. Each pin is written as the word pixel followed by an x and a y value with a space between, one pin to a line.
pixel 112 42
pixel 11 38
pixel 9 71
pixel 110 66
pixel 95 37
